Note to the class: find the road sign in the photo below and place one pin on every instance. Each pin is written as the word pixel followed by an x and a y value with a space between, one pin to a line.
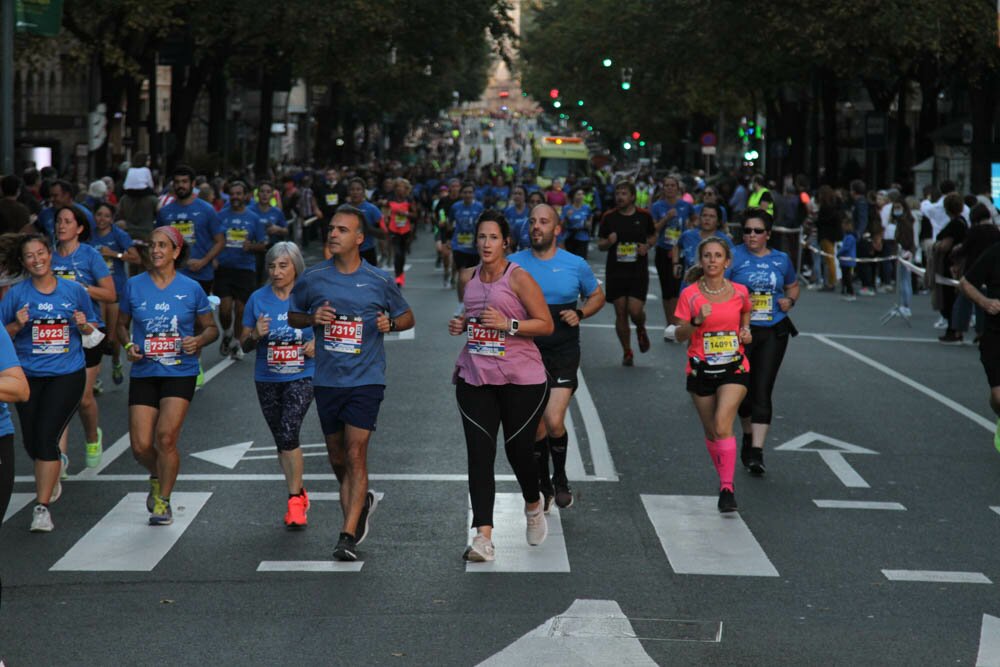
pixel 709 139
pixel 708 150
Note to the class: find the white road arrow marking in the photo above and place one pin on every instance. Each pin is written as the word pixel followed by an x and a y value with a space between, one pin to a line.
pixel 590 632
pixel 834 458
pixel 227 456
pixel 989 642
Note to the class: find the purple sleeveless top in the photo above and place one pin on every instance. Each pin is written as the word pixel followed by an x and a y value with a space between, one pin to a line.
pixel 496 357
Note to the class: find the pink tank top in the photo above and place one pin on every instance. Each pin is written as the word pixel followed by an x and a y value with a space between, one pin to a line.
pixel 496 357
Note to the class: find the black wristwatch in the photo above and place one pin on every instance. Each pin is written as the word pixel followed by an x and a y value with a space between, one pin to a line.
pixel 392 324
pixel 579 313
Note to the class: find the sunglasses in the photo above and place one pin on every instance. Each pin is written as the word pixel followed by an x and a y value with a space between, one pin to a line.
pixel 754 230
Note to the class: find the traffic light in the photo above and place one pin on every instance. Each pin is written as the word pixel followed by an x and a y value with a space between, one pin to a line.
pixel 627 146
pixel 606 62
pixel 557 104
pixel 751 155
pixel 554 93
pixel 642 143
pixel 636 135
pixel 626 85
pixel 579 103
pixel 626 78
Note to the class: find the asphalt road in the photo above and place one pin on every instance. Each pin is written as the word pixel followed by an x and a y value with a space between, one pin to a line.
pixel 797 578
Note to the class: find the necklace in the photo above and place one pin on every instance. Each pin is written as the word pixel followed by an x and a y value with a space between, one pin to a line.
pixel 705 288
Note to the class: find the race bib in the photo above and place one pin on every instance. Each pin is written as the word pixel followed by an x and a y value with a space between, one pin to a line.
pixel 672 234
pixel 163 348
pixel 627 252
pixel 110 263
pixel 50 336
pixel 186 228
pixel 483 341
pixel 401 221
pixel 465 239
pixel 332 199
pixel 235 237
pixel 285 357
pixel 720 347
pixel 65 274
pixel 344 335
pixel 762 306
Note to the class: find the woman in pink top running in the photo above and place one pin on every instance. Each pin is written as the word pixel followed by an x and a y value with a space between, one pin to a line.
pixel 714 315
pixel 499 379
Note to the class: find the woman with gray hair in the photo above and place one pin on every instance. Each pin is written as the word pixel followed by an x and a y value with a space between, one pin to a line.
pixel 284 368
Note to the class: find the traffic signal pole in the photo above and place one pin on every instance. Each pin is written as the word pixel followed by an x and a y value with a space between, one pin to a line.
pixel 6 86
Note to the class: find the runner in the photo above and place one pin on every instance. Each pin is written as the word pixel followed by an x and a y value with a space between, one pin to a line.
pixel 284 369
pixel 444 229
pixel 981 285
pixel 499 379
pixel 116 248
pixel 517 216
pixel 14 388
pixel 49 319
pixel 235 277
pixel 463 216
pixel 773 285
pixel 373 221
pixel 626 234
pixel 165 321
pixel 198 224
pixel 351 304
pixel 402 214
pixel 273 218
pixel 686 248
pixel 81 263
pixel 564 278
pixel 714 316
pixel 671 214
pixel 576 219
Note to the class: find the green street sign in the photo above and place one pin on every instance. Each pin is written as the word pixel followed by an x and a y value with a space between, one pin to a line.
pixel 38 17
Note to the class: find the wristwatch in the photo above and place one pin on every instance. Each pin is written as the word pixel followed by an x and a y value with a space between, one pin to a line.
pixel 392 324
pixel 119 255
pixel 513 327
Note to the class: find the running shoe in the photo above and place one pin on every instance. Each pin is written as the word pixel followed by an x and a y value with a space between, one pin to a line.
pixel 346 549
pixel 225 345
pixel 64 466
pixel 941 323
pixel 640 333
pixel 371 502
pixel 537 528
pixel 295 517
pixel 628 359
pixel 41 520
pixel 670 333
pixel 564 494
pixel 117 374
pixel 745 454
pixel 905 312
pixel 996 436
pixel 162 514
pixel 98 387
pixel 401 280
pixel 236 352
pixel 480 551
pixel 56 492
pixel 94 450
pixel 547 492
pixel 849 298
pixel 154 493
pixel 727 501
pixel 950 338
pixel 757 461
pixel 866 291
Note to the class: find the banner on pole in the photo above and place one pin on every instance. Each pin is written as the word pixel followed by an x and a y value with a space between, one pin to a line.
pixel 38 17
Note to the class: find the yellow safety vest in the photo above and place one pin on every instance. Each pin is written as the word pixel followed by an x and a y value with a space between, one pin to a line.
pixel 754 200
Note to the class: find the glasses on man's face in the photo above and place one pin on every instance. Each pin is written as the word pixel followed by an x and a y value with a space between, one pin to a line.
pixel 754 230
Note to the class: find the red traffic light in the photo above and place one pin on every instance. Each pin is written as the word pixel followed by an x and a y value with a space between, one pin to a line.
pixel 554 93
pixel 504 94
pixel 636 135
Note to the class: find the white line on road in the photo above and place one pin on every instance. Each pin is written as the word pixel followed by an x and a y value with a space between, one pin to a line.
pixel 927 391
pixel 891 339
pixel 937 576
pixel 270 477
pixel 843 470
pixel 123 540
pixel 698 539
pixel 600 453
pixel 858 505
pixel 513 554
pixel 574 458
pixel 995 508
pixel 17 502
pixel 309 566
pixel 989 642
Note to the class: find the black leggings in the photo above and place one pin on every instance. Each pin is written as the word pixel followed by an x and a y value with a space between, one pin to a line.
pixel 46 413
pixel 285 405
pixel 399 243
pixel 6 471
pixel 765 354
pixel 484 408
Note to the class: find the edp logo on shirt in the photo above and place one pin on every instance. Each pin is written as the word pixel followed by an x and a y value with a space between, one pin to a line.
pixel 164 307
pixel 45 307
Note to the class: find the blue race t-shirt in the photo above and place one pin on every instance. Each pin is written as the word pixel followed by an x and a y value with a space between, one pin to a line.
pixel 373 215
pixel 501 193
pixel 119 241
pixel 520 230
pixel 198 224
pixel 85 266
pixel 161 319
pixel 671 231
pixel 272 217
pixel 349 353
pixel 765 278
pixel 8 359
pixel 280 357
pixel 575 222
pixel 239 228
pixel 47 221
pixel 465 218
pixel 725 215
pixel 49 344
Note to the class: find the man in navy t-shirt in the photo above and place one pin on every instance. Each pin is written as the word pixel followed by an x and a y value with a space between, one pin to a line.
pixel 350 305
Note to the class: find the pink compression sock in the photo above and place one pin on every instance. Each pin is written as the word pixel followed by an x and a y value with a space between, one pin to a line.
pixel 726 464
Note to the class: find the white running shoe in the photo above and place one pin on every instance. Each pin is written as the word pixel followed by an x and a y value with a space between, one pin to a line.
pixel 670 333
pixel 41 520
pixel 480 551
pixel 537 527
pixel 941 323
pixel 905 312
pixel 56 493
pixel 236 352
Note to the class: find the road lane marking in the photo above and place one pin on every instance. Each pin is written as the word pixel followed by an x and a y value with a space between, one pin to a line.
pixel 858 505
pixel 123 540
pixel 513 553
pixel 937 576
pixel 600 453
pixel 927 391
pixel 995 508
pixel 574 457
pixel 890 339
pixel 18 501
pixel 227 456
pixel 834 459
pixel 590 632
pixel 989 642
pixel 309 566
pixel 270 477
pixel 698 539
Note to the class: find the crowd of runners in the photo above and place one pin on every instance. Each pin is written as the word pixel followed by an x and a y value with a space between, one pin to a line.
pixel 149 275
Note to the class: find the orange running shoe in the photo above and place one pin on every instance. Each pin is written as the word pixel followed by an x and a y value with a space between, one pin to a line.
pixel 298 505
